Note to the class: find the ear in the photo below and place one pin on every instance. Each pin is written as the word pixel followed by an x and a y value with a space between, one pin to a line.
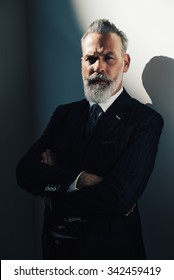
pixel 126 62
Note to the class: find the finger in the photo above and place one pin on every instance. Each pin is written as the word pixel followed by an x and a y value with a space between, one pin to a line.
pixel 49 157
pixel 53 158
pixel 44 157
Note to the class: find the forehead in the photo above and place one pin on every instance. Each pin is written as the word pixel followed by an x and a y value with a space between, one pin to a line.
pixel 100 43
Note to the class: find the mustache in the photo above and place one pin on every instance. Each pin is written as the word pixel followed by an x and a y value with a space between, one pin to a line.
pixel 99 77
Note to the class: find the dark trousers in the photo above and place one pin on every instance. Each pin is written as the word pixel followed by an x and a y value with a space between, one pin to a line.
pixel 60 248
pixel 102 238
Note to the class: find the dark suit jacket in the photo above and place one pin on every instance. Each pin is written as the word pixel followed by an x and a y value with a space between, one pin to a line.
pixel 121 148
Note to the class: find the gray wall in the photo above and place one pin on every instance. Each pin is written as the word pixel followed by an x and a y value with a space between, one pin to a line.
pixel 157 202
pixel 55 57
pixel 17 210
pixel 40 68
pixel 36 52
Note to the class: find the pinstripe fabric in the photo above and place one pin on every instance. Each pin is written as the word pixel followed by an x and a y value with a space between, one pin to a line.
pixel 121 148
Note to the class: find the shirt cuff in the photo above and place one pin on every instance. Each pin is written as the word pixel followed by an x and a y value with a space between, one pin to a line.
pixel 72 187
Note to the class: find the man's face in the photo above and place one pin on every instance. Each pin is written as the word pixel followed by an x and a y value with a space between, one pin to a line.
pixel 103 65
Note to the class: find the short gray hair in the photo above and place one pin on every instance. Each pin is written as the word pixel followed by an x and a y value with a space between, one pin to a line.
pixel 104 26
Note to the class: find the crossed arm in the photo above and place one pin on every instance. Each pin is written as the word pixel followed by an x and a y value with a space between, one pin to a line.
pixel 84 180
pixel 116 192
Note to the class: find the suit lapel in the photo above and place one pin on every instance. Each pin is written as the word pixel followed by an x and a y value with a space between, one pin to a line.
pixel 108 123
pixel 113 116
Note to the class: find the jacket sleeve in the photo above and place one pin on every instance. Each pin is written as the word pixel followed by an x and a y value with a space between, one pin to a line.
pixel 39 178
pixel 123 185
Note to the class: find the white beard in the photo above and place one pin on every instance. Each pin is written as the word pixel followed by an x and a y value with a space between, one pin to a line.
pixel 100 93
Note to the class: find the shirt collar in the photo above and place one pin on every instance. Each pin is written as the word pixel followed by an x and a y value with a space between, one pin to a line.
pixel 108 103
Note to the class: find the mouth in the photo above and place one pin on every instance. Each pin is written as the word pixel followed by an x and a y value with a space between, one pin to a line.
pixel 99 81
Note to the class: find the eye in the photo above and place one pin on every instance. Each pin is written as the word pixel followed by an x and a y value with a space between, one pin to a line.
pixel 109 58
pixel 91 59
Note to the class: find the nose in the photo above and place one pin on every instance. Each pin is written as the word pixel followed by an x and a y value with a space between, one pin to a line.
pixel 99 66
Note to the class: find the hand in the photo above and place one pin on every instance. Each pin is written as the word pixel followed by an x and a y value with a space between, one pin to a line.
pixel 47 200
pixel 48 157
pixel 88 179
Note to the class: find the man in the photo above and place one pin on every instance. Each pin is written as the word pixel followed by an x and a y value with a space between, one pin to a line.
pixel 94 159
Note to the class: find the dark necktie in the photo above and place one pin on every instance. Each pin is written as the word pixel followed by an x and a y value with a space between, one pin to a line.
pixel 94 115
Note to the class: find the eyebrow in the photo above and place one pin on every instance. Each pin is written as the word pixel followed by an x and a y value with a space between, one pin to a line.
pixel 109 53
pixel 95 55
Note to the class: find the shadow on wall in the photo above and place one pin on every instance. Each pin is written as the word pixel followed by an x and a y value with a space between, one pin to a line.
pixel 39 66
pixel 157 219
pixel 55 57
